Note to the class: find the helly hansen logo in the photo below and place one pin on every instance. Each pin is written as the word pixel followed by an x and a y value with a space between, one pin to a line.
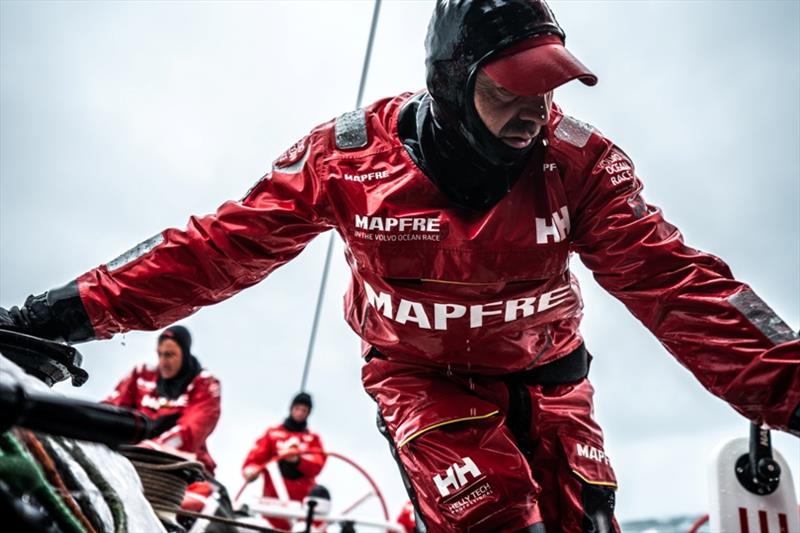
pixel 556 227
pixel 590 452
pixel 455 476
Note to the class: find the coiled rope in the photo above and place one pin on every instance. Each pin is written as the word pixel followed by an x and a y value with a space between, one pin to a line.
pixel 165 485
pixel 164 480
pixel 164 477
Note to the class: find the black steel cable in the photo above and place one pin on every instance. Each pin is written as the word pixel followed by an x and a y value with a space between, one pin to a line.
pixel 321 294
pixel 368 55
pixel 220 519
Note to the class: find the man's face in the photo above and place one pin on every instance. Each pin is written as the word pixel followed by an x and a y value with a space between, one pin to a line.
pixel 170 358
pixel 516 120
pixel 299 413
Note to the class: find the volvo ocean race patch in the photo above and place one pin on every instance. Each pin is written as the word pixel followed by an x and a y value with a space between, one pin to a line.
pixel 618 167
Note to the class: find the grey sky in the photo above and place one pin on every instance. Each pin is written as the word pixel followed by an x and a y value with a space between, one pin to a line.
pixel 118 120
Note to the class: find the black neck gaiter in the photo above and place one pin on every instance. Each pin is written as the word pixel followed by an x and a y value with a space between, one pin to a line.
pixel 292 425
pixel 451 163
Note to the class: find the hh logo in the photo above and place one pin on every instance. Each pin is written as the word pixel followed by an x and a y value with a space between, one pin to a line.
pixel 456 476
pixel 557 227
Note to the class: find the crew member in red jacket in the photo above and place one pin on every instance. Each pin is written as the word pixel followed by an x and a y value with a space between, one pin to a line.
pixel 460 207
pixel 178 394
pixel 291 440
pixel 406 518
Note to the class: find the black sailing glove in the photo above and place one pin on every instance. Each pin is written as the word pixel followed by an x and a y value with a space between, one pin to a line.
pixel 57 314
pixel 33 318
pixel 162 424
pixel 6 320
pixel 289 469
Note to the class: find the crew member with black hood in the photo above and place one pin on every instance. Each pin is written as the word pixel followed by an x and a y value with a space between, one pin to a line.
pixel 292 445
pixel 460 207
pixel 181 396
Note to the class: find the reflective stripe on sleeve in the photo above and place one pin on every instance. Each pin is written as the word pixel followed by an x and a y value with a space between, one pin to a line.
pixel 762 316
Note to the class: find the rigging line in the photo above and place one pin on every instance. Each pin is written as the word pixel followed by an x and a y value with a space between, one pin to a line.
pixel 325 269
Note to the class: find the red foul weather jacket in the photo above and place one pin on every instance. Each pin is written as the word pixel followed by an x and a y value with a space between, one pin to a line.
pixel 477 292
pixel 277 440
pixel 199 408
pixel 407 519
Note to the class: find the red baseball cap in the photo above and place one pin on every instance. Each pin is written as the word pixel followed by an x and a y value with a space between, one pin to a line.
pixel 537 65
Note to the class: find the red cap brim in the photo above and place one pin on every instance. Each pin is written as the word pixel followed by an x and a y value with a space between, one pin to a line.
pixel 537 66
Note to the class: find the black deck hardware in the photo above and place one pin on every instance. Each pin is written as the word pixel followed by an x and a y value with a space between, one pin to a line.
pixel 49 361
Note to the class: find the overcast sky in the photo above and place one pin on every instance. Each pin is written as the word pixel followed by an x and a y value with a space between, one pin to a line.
pixel 119 119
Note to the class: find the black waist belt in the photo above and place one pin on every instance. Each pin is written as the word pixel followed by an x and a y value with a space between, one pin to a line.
pixel 570 368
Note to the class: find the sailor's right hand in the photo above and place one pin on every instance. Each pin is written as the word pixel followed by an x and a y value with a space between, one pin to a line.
pixel 35 317
pixel 251 472
pixel 6 320
pixel 15 320
pixel 162 424
pixel 57 314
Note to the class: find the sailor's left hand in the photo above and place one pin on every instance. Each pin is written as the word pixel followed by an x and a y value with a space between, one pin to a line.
pixel 292 455
pixel 251 472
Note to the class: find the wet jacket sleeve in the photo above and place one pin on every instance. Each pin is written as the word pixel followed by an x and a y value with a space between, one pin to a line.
pixel 198 419
pixel 173 274
pixel 261 452
pixel 310 465
pixel 717 327
pixel 125 393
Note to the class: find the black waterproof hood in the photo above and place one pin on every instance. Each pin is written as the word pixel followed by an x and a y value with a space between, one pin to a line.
pixel 462 36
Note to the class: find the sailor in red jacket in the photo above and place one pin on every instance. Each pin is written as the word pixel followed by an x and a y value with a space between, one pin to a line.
pixel 460 207
pixel 182 397
pixel 291 441
pixel 406 518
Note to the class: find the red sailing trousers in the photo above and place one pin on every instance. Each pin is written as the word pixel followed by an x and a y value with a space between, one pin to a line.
pixel 484 453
